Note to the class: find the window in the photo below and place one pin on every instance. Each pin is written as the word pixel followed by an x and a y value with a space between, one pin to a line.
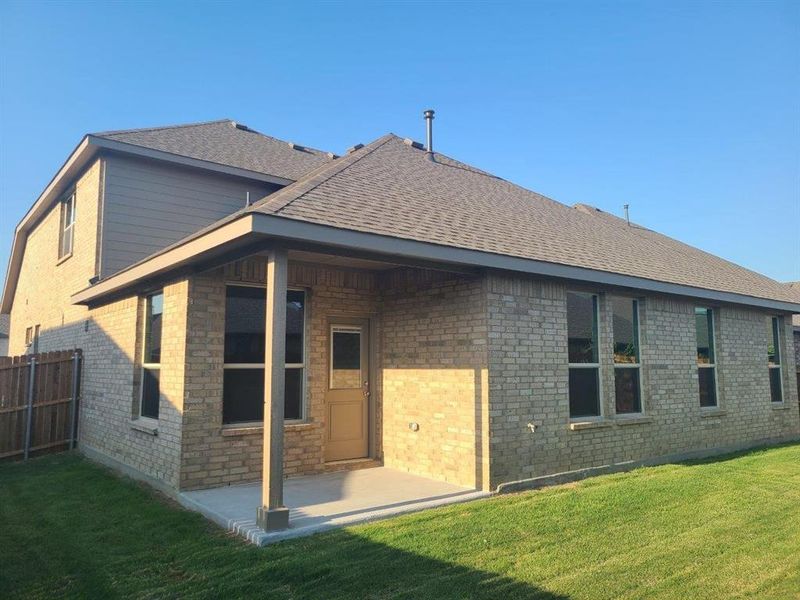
pixel 584 364
pixel 774 358
pixel 32 339
pixel 67 226
pixel 151 356
pixel 706 365
pixel 245 327
pixel 627 382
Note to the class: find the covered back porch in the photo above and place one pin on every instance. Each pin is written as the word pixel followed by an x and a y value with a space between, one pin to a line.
pixel 369 378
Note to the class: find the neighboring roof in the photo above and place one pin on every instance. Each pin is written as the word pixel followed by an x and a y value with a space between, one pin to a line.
pixel 795 287
pixel 220 146
pixel 5 322
pixel 228 143
pixel 393 190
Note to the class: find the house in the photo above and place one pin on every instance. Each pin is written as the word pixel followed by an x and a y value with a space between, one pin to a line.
pixel 795 286
pixel 251 309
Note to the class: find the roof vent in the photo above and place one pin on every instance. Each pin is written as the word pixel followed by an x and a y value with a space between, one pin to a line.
pixel 332 156
pixel 354 148
pixel 241 126
pixel 428 114
pixel 413 144
pixel 294 146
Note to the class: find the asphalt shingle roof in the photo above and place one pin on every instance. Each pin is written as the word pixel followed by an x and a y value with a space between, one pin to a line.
pixel 224 143
pixel 390 188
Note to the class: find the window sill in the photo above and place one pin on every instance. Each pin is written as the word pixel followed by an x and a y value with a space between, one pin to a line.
pixel 237 430
pixel 633 420
pixel 709 413
pixel 581 425
pixel 779 406
pixel 64 258
pixel 145 425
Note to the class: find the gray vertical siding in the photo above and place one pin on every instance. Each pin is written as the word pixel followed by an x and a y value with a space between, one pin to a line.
pixel 148 206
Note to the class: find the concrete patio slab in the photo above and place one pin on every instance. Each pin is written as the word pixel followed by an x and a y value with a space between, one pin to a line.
pixel 321 502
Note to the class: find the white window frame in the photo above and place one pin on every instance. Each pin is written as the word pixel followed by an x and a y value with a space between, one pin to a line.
pixel 712 365
pixel 66 228
pixel 775 328
pixel 147 365
pixel 636 365
pixel 596 366
pixel 300 365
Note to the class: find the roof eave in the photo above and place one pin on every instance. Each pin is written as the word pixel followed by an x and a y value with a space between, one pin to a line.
pixel 257 225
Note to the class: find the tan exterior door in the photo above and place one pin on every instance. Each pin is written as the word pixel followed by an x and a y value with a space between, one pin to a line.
pixel 347 397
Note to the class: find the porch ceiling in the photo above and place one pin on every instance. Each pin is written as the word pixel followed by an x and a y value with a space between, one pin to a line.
pixel 340 261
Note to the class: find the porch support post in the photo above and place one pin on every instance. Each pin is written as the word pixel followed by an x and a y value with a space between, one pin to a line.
pixel 272 514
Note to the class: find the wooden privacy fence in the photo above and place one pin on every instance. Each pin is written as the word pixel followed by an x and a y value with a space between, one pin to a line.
pixel 39 403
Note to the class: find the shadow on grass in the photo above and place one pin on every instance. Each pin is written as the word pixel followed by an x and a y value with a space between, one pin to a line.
pixel 73 529
pixel 352 566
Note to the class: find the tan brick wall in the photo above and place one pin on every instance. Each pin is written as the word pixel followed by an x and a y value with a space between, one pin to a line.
pixel 528 381
pixel 433 373
pixel 45 285
pixel 110 385
pixel 215 455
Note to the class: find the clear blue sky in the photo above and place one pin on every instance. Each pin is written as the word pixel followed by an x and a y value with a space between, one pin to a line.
pixel 689 112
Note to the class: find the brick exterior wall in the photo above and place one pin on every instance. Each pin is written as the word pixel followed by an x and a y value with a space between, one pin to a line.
pixel 216 455
pixel 45 284
pixel 434 361
pixel 528 382
pixel 110 386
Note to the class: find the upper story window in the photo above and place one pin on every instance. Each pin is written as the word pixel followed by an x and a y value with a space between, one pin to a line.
pixel 627 380
pixel 584 363
pixel 67 230
pixel 706 356
pixel 151 356
pixel 774 358
pixel 245 328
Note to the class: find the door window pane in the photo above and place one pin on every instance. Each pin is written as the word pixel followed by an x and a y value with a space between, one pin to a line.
pixel 243 395
pixel 626 384
pixel 584 392
pixel 150 392
pixel 708 391
pixel 345 358
pixel 582 327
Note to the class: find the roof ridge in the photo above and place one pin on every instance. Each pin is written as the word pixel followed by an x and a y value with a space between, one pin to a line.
pixel 160 127
pixel 284 197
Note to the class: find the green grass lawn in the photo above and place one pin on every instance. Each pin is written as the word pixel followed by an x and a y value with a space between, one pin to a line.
pixel 709 529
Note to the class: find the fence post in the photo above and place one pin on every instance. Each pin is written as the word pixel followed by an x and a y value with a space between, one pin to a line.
pixel 74 403
pixel 31 377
